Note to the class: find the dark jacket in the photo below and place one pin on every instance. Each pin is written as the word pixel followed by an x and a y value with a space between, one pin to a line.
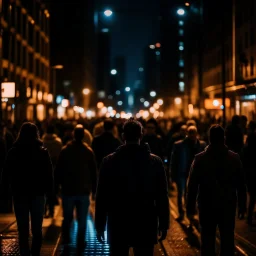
pixel 104 145
pixel 234 138
pixel 182 157
pixel 28 170
pixel 216 179
pixel 76 169
pixel 132 194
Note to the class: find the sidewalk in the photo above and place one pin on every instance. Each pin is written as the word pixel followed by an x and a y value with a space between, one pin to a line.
pixel 51 235
pixel 6 220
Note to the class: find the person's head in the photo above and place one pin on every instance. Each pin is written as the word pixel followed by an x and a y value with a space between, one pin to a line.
pixel 191 122
pixel 236 120
pixel 108 125
pixel 183 130
pixel 28 133
pixel 216 135
pixel 79 132
pixel 50 129
pixel 192 133
pixel 132 131
pixel 151 126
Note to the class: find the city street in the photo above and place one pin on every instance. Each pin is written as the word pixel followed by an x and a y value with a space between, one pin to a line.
pixel 180 241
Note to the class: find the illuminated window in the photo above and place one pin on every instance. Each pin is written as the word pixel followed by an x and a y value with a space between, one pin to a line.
pixel 181 63
pixel 181 86
pixel 181 22
pixel 181 32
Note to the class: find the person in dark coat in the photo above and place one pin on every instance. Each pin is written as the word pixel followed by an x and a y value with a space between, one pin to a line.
pixel 132 195
pixel 234 135
pixel 217 182
pixel 76 173
pixel 249 163
pixel 182 157
pixel 106 143
pixel 28 170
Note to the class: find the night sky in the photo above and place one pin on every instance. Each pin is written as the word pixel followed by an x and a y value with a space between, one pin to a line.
pixel 134 25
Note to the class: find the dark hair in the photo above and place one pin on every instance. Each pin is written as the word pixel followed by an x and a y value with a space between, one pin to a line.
pixel 108 124
pixel 216 134
pixel 50 129
pixel 79 132
pixel 236 120
pixel 152 121
pixel 28 133
pixel 132 130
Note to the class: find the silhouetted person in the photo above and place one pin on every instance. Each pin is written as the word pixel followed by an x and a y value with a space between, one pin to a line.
pixel 234 135
pixel 132 195
pixel 216 178
pixel 153 139
pixel 76 173
pixel 182 157
pixel 106 143
pixel 28 171
pixel 249 163
pixel 53 143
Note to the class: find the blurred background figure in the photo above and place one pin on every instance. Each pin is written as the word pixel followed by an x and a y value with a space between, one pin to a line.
pixel 183 155
pixel 153 139
pixel 106 143
pixel 53 143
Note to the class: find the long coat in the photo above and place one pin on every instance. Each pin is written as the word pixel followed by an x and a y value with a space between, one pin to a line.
pixel 132 195
pixel 216 182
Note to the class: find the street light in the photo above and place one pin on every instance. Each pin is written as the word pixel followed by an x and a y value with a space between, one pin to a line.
pixel 113 72
pixel 86 91
pixel 180 11
pixel 108 13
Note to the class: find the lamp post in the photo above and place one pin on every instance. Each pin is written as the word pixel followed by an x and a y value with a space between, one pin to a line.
pixel 54 85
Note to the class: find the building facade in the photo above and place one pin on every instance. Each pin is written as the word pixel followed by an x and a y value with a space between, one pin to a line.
pixel 25 59
pixel 229 59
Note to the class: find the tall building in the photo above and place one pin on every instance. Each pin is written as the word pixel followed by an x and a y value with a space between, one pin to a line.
pixel 73 47
pixel 24 59
pixel 229 58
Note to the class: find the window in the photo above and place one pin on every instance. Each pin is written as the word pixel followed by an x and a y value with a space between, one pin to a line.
pixel 31 34
pixel 13 43
pixel 252 66
pixel 19 23
pixel 19 49
pixel 42 47
pixel 24 25
pixel 6 44
pixel 181 63
pixel 24 57
pixel 181 32
pixel 37 41
pixel 246 40
pixel 30 62
pixel 37 67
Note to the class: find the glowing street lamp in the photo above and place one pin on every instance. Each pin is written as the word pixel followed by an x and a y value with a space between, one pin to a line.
pixel 113 72
pixel 180 11
pixel 108 13
pixel 86 91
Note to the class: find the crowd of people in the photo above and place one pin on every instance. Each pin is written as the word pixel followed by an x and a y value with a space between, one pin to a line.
pixel 129 168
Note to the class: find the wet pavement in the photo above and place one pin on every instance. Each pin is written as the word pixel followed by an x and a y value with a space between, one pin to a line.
pixel 180 241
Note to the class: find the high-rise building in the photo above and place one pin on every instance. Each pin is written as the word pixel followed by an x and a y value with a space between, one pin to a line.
pixel 24 58
pixel 229 58
pixel 73 47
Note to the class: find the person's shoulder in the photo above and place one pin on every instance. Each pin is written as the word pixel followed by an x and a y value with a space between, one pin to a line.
pixel 155 158
pixel 233 155
pixel 178 143
pixel 200 156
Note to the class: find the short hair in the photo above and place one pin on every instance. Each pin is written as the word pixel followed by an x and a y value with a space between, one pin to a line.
pixel 28 133
pixel 192 129
pixel 50 129
pixel 236 120
pixel 216 134
pixel 79 132
pixel 132 130
pixel 191 122
pixel 152 121
pixel 108 124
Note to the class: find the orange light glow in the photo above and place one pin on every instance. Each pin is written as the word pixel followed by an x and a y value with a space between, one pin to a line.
pixel 158 45
pixel 187 4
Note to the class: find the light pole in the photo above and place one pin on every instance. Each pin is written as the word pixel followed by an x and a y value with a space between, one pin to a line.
pixel 54 85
